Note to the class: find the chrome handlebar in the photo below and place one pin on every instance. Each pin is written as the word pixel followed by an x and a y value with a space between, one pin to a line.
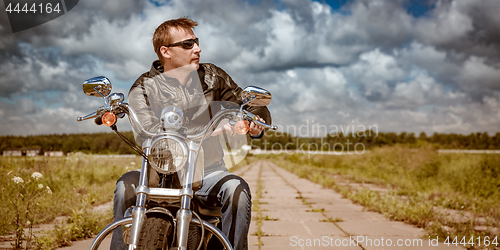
pixel 231 114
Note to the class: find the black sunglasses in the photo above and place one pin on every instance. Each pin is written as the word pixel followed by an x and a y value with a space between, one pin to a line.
pixel 186 44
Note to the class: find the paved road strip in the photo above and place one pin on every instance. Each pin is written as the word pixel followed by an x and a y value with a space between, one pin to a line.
pixel 300 214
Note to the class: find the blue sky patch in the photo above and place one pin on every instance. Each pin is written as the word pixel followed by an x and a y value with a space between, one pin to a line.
pixel 335 4
pixel 418 8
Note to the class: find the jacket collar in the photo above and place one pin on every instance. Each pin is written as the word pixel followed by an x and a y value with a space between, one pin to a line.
pixel 157 71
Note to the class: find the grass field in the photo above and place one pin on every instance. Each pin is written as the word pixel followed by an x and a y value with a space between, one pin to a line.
pixel 76 184
pixel 447 194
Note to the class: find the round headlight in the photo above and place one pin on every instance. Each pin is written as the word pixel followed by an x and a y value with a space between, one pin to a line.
pixel 168 154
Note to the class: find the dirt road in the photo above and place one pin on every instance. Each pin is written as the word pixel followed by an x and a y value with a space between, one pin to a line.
pixel 295 213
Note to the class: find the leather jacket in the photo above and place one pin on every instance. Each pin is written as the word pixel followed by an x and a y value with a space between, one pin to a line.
pixel 206 92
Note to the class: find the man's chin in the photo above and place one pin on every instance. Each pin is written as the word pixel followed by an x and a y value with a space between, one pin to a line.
pixel 191 67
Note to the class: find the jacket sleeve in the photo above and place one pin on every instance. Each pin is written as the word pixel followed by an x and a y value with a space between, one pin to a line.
pixel 138 97
pixel 230 91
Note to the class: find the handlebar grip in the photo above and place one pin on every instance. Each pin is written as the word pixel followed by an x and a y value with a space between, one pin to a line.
pixel 266 125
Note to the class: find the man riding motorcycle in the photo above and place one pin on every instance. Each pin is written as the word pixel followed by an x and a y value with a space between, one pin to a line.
pixel 183 82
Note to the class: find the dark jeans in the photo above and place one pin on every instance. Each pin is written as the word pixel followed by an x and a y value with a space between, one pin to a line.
pixel 220 188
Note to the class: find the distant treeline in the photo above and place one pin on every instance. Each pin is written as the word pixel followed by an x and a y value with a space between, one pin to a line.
pixel 110 143
pixel 97 143
pixel 369 139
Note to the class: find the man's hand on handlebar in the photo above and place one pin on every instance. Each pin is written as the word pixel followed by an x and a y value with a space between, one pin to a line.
pixel 254 128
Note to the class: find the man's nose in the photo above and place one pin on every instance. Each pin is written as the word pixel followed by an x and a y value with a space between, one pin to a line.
pixel 196 48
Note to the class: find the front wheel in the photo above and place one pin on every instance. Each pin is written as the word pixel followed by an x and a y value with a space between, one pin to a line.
pixel 155 233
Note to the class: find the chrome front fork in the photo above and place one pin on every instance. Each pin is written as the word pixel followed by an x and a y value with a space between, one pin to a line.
pixel 183 218
pixel 139 211
pixel 184 214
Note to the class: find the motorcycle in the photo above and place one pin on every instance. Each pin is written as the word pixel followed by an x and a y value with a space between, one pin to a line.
pixel 167 214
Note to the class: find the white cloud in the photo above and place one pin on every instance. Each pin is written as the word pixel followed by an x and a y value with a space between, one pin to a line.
pixel 476 73
pixel 448 23
pixel 25 118
pixel 374 73
pixel 370 61
pixel 413 94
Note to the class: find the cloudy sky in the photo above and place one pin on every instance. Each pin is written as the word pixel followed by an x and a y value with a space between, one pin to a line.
pixel 399 65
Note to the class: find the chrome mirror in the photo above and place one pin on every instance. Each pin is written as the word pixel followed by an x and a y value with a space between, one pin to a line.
pixel 97 86
pixel 255 96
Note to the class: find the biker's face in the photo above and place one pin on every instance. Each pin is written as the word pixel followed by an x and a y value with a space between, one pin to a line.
pixel 178 56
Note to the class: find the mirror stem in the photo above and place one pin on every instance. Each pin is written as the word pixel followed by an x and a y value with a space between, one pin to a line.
pixel 99 92
pixel 246 102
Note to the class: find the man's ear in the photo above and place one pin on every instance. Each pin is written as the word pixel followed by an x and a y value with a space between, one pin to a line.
pixel 164 52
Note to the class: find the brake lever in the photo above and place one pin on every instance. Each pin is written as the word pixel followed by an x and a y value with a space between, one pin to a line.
pixel 253 118
pixel 91 115
pixel 265 125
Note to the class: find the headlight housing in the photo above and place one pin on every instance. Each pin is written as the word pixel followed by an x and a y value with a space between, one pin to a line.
pixel 168 154
pixel 171 118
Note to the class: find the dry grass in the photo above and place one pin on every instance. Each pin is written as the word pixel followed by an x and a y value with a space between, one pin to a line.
pixel 447 194
pixel 77 183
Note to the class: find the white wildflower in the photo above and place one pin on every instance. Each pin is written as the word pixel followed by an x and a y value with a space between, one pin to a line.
pixel 132 163
pixel 40 186
pixel 36 175
pixel 17 179
pixel 48 190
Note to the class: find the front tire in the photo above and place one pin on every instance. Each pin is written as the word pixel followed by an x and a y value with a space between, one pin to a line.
pixel 155 233
pixel 194 237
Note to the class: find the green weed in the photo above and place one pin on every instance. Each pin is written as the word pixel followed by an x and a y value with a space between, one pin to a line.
pixel 82 223
pixel 267 218
pixel 75 181
pixel 256 207
pixel 331 220
pixel 316 210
